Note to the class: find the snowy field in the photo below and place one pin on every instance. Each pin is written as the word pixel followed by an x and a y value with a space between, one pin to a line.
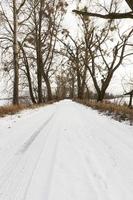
pixel 4 102
pixel 65 151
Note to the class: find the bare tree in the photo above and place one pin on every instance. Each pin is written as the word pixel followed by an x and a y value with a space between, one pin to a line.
pixel 16 11
pixel 12 37
pixel 27 71
pixel 15 55
pixel 45 21
pixel 104 60
pixel 74 54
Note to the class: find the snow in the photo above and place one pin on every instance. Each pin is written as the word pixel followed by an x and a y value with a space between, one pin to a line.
pixel 121 100
pixel 4 102
pixel 65 151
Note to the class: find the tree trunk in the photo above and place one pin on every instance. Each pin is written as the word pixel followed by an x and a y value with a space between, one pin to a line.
pixel 15 57
pixel 130 101
pixel 83 83
pixel 39 78
pixel 100 96
pixel 49 92
pixel 38 28
pixel 28 75
pixel 79 85
pixel 72 92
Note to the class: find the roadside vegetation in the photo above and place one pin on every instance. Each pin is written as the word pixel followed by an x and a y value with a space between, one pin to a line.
pixel 118 112
pixel 13 109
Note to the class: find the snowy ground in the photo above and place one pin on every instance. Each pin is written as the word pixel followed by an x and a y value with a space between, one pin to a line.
pixel 4 102
pixel 65 151
pixel 121 100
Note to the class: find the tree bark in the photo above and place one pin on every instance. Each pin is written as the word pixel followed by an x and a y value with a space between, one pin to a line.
pixel 79 84
pixel 49 92
pixel 128 15
pixel 15 56
pixel 100 96
pixel 38 28
pixel 130 101
pixel 28 75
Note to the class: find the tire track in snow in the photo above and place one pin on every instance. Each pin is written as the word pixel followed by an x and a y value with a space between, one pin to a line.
pixel 49 153
pixel 27 144
pixel 17 165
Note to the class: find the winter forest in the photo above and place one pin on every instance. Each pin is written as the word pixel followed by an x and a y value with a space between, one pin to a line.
pixel 42 58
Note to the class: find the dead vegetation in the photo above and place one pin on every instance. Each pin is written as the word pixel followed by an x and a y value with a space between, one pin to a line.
pixel 117 112
pixel 13 109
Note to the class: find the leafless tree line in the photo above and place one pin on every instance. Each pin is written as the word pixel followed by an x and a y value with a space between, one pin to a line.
pixel 32 31
pixel 40 55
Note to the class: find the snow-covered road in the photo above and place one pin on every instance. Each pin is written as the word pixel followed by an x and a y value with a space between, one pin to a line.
pixel 65 151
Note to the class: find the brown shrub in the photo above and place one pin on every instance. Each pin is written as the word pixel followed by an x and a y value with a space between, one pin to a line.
pixel 11 109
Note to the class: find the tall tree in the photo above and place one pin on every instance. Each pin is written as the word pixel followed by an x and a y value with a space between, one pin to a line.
pixel 11 35
pixel 46 21
pixel 104 60
pixel 15 55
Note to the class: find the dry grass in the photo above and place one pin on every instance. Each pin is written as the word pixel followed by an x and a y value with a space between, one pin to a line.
pixel 118 112
pixel 12 109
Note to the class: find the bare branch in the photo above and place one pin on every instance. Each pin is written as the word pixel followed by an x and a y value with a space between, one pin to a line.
pixel 107 16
